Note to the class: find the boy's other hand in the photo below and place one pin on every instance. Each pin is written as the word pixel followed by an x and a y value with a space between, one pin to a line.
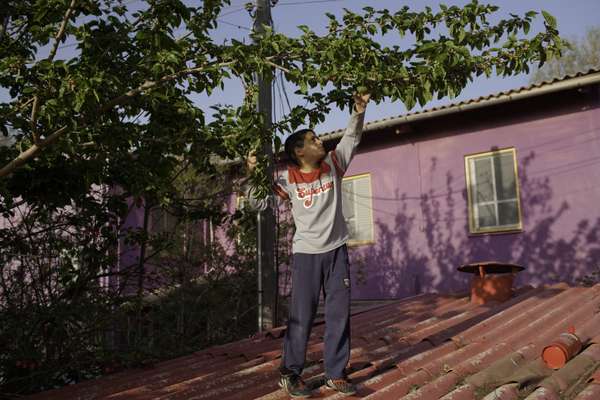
pixel 360 101
pixel 251 161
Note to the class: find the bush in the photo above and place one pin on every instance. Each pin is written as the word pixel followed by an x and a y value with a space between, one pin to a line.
pixel 66 314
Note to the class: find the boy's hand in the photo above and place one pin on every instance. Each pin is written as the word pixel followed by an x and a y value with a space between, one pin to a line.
pixel 251 161
pixel 360 101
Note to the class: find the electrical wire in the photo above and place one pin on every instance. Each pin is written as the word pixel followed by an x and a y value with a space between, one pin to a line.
pixel 234 25
pixel 233 11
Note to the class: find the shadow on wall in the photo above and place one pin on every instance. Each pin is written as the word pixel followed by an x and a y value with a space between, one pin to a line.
pixel 418 249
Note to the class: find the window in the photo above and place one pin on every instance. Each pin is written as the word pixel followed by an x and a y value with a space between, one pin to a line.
pixel 162 221
pixel 493 191
pixel 186 235
pixel 357 208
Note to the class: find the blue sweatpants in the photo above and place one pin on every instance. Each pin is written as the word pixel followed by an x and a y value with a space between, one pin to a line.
pixel 311 273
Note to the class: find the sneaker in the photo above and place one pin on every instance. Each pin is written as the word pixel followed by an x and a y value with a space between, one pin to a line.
pixel 294 386
pixel 341 385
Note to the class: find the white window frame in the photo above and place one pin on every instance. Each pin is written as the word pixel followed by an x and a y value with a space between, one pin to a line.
pixel 473 209
pixel 367 202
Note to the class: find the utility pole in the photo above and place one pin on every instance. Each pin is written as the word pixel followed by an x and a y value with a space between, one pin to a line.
pixel 267 270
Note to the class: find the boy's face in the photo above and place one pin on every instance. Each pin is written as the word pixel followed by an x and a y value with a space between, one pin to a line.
pixel 313 150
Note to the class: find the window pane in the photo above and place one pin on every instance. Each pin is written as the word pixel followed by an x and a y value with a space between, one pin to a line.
pixel 484 190
pixel 356 206
pixel 487 215
pixel 348 200
pixel 348 207
pixel 506 185
pixel 508 213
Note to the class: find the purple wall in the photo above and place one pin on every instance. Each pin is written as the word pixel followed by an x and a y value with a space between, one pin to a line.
pixel 129 254
pixel 420 201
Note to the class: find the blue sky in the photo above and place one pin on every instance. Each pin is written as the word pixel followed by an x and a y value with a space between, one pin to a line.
pixel 574 17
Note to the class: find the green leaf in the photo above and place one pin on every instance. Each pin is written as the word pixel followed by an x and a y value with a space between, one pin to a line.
pixel 303 87
pixel 550 20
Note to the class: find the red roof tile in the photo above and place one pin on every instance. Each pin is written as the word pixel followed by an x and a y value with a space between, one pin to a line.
pixel 425 347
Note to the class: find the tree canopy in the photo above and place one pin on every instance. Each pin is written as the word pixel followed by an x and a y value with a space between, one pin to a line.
pixel 580 55
pixel 119 111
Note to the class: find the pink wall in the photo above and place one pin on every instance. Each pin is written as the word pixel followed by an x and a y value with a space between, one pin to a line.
pixel 420 207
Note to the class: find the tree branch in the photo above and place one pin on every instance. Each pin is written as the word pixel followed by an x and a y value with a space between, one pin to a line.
pixel 152 84
pixel 277 66
pixel 57 39
pixel 35 149
pixel 34 111
pixel 31 152
pixel 61 30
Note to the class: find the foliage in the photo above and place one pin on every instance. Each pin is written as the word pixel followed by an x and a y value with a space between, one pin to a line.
pixel 123 99
pixel 66 314
pixel 581 55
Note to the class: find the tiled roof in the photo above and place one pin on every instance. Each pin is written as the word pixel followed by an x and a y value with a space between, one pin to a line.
pixel 431 346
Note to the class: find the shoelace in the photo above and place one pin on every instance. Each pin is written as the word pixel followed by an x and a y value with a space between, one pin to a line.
pixel 340 382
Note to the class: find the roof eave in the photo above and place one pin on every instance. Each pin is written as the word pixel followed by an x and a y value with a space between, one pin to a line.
pixel 567 84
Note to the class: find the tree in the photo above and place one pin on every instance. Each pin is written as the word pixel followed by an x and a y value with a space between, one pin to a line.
pixel 116 122
pixel 130 64
pixel 580 55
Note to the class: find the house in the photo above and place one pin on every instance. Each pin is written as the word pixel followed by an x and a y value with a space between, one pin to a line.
pixel 513 177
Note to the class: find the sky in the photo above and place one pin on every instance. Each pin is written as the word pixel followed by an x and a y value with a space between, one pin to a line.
pixel 574 18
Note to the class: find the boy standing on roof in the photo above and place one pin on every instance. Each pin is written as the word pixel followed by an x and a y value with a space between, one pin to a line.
pixel 313 186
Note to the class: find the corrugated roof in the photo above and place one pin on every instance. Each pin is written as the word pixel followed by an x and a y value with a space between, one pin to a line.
pixel 565 82
pixel 431 346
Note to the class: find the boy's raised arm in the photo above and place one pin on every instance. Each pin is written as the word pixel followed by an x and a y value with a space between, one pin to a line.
pixel 345 149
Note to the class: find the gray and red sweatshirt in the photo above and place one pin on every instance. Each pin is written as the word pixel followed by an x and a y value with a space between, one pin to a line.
pixel 316 197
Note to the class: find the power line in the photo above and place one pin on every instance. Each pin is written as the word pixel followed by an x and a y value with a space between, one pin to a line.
pixel 235 25
pixel 233 11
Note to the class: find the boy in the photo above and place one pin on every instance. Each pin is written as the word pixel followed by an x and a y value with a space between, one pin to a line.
pixel 313 186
